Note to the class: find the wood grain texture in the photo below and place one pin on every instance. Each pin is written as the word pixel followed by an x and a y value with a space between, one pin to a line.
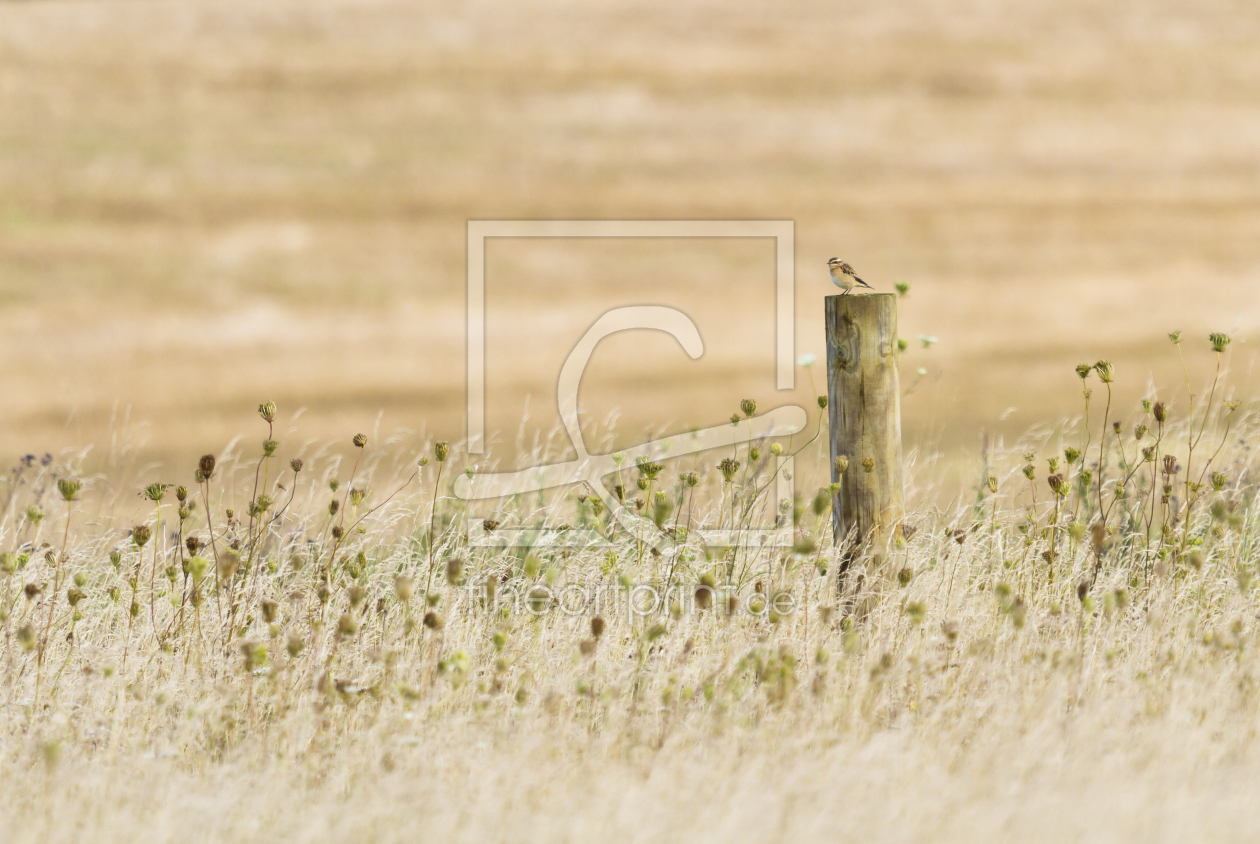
pixel 864 402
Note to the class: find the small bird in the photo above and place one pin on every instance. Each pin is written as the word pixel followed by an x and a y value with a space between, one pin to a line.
pixel 844 277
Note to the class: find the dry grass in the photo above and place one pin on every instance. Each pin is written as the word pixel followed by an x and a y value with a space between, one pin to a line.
pixel 1021 663
pixel 205 203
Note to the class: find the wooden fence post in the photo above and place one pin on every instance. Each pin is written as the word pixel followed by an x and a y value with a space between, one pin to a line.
pixel 864 401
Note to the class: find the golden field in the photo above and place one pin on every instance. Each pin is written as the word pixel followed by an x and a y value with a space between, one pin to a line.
pixel 203 205
pixel 208 205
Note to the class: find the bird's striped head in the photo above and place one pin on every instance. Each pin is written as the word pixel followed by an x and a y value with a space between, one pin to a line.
pixel 834 262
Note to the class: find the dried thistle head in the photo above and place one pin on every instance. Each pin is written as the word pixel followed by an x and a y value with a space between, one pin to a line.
pixel 140 535
pixel 1161 412
pixel 729 467
pixel 359 441
pixel 296 465
pixel 206 466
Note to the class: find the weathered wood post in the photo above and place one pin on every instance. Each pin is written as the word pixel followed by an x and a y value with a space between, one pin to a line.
pixel 864 399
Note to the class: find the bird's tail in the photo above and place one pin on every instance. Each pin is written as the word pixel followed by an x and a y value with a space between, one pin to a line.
pixel 863 283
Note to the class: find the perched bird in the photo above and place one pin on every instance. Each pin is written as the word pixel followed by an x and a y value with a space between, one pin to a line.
pixel 844 277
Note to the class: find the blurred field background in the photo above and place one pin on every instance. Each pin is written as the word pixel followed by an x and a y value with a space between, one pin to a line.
pixel 208 204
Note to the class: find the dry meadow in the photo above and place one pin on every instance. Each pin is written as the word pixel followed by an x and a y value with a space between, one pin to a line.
pixel 205 205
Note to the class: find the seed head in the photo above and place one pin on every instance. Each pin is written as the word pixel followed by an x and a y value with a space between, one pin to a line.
pixel 1071 455
pixel 359 440
pixel 729 467
pixel 868 465
pixel 296 465
pixel 404 587
pixel 229 562
pixel 1219 479
pixel 1161 412
pixel 34 514
pixel 347 624
pixel 1170 464
pixel 69 489
pixel 270 610
pixel 734 419
pixel 441 450
pixel 1175 337
pixel 822 402
pixel 269 447
pixel 140 535
pixel 776 449
pixel 155 492
pixel 1219 342
pixel 267 410
pixel 992 483
pixel 597 626
pixel 1083 370
pixel 1106 372
pixel 840 465
pixel 1057 485
pixel 181 493
pixel 902 288
pixel 432 620
pixel 206 466
pixel 749 407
